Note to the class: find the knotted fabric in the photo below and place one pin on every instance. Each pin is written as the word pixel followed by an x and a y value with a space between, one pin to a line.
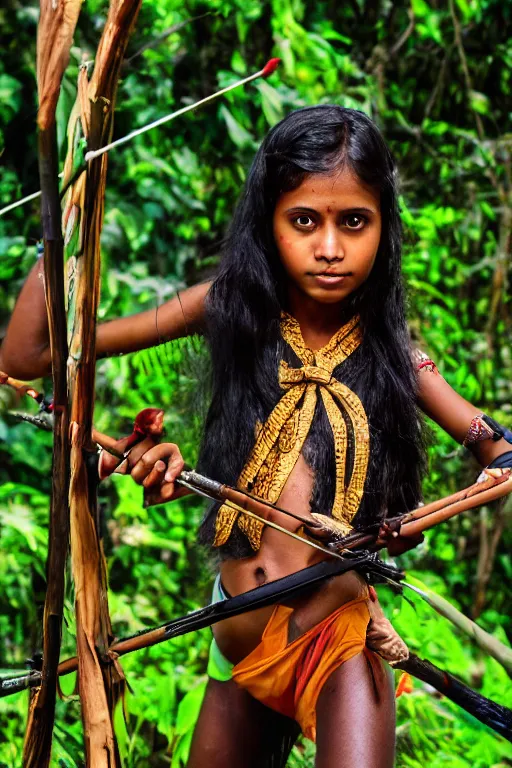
pixel 280 439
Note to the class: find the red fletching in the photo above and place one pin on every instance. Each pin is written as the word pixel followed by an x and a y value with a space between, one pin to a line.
pixel 270 66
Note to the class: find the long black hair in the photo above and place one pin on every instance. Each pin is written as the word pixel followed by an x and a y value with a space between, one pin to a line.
pixel 243 311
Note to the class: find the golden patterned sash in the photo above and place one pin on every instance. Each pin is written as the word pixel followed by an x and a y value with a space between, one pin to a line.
pixel 280 440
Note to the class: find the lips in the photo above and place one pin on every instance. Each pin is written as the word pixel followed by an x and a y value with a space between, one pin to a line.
pixel 330 279
pixel 332 274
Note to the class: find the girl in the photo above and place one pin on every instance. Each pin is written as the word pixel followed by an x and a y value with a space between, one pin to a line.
pixel 314 406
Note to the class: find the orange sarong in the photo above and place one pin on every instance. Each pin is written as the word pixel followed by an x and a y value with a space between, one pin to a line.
pixel 288 677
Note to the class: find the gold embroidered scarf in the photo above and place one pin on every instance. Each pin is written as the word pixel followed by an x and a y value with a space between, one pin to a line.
pixel 280 440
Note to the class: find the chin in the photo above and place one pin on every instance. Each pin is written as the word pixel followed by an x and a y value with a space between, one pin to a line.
pixel 330 297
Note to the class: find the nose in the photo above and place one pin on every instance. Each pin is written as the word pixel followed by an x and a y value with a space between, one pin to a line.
pixel 330 245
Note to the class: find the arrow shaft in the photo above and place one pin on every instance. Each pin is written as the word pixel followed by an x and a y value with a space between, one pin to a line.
pixel 167 118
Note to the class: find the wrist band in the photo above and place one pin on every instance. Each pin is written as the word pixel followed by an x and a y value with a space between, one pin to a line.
pixel 482 427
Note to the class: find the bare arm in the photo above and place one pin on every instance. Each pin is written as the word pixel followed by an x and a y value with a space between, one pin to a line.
pixel 25 352
pixel 454 414
pixel 26 343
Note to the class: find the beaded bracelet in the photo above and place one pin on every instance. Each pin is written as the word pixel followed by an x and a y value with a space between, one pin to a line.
pixel 423 362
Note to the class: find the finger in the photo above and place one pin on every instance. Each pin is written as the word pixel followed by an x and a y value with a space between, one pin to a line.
pixel 174 467
pixel 167 452
pixel 167 492
pixel 156 475
pixel 159 495
pixel 139 449
pixel 123 468
pixel 106 464
pixel 105 441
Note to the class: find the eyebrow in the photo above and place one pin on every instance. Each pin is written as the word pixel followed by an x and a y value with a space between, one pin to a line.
pixel 351 209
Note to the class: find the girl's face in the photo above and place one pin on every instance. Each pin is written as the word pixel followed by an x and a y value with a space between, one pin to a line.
pixel 327 232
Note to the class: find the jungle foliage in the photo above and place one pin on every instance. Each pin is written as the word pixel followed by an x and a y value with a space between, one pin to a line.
pixel 436 76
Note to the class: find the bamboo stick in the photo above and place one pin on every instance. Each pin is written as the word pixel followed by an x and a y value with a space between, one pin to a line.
pixel 55 33
pixel 487 642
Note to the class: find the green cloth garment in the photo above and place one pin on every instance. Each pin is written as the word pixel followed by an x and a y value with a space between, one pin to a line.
pixel 219 668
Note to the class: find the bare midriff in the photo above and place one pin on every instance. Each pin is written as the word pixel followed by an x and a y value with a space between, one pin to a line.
pixel 280 556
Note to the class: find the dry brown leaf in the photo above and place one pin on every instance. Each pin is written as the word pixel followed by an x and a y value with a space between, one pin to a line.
pixel 55 32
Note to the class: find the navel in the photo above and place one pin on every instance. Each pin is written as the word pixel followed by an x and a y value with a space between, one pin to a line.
pixel 261 576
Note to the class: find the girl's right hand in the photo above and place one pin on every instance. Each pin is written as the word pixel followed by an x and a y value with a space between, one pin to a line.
pixel 152 464
pixel 156 468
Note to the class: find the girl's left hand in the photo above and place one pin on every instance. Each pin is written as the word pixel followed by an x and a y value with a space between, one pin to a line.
pixel 396 544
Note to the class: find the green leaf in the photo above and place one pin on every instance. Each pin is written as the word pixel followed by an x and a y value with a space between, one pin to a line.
pixel 10 96
pixel 271 103
pixel 237 132
pixel 479 102
pixel 488 210
pixel 420 8
pixel 331 34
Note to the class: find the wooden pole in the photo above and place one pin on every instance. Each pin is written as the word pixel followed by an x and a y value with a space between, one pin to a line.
pixel 99 682
pixel 55 34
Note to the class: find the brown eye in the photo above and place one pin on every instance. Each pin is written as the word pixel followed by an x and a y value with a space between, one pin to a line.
pixel 354 221
pixel 304 221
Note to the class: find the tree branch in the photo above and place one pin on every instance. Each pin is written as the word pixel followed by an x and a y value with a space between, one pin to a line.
pixel 405 34
pixel 155 42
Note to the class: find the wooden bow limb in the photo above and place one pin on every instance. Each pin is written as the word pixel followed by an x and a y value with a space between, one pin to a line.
pixel 493 478
pixel 500 486
pixel 476 495
pixel 409 525
pixel 422 518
